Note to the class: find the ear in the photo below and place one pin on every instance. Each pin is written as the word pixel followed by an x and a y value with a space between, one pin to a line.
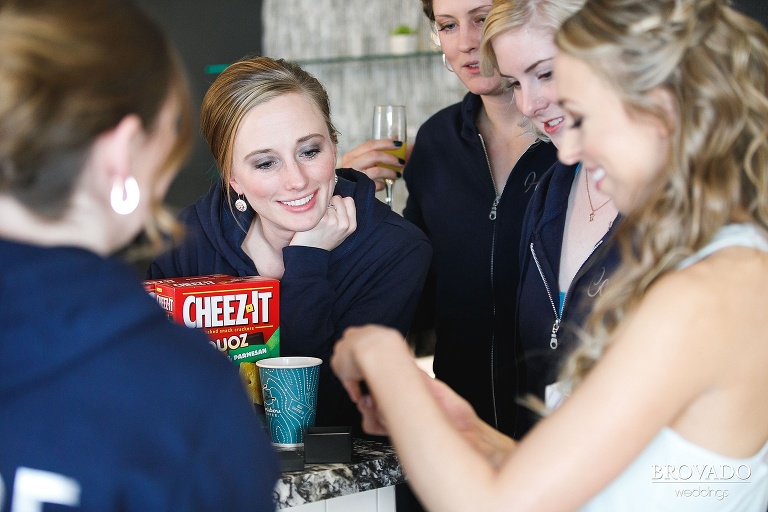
pixel 117 147
pixel 667 103
pixel 235 185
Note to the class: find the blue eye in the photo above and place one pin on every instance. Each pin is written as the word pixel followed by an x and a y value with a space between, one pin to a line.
pixel 264 164
pixel 310 152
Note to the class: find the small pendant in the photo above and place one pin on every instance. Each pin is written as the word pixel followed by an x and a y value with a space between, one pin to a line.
pixel 591 216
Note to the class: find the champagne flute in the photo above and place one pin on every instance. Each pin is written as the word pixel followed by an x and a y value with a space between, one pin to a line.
pixel 389 123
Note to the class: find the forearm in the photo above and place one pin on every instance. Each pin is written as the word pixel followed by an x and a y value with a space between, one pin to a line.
pixel 430 449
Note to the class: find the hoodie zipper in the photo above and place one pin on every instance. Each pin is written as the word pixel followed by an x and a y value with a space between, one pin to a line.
pixel 496 199
pixel 492 217
pixel 553 343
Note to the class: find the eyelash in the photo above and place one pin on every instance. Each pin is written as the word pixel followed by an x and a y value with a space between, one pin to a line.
pixel 478 22
pixel 510 84
pixel 308 154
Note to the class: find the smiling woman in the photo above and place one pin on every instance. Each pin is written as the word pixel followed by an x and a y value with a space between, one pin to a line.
pixel 282 210
pixel 670 373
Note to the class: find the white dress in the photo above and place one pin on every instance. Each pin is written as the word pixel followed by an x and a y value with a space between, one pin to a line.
pixel 674 474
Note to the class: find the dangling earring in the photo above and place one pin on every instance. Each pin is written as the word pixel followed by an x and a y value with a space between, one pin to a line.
pixel 335 179
pixel 125 197
pixel 240 204
pixel 447 66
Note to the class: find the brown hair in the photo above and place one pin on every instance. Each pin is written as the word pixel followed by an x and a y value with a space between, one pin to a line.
pixel 244 85
pixel 429 12
pixel 70 70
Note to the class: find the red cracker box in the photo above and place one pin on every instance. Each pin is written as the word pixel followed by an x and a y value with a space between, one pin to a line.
pixel 241 316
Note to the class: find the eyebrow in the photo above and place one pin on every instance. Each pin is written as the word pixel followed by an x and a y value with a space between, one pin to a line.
pixel 477 9
pixel 267 150
pixel 529 68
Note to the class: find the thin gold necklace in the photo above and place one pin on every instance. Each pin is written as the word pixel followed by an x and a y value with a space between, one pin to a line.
pixel 589 197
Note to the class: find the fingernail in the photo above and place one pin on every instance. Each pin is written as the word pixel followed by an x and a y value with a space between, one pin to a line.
pixel 402 162
pixel 398 143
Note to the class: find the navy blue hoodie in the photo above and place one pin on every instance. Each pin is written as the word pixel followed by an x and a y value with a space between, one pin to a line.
pixel 374 276
pixel 470 296
pixel 108 405
pixel 543 233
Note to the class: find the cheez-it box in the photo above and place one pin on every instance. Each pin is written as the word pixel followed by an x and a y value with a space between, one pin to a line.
pixel 241 316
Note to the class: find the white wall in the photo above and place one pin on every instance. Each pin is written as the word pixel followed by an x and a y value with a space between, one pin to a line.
pixel 301 30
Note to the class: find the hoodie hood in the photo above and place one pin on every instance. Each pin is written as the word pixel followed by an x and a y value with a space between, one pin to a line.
pixel 225 227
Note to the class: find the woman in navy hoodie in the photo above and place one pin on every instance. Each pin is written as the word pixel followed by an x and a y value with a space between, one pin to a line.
pixel 282 210
pixel 471 173
pixel 565 257
pixel 105 405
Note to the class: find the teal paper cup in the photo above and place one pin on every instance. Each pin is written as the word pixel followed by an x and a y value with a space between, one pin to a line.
pixel 289 385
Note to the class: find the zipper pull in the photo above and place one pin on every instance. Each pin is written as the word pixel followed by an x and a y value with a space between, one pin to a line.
pixel 492 216
pixel 553 337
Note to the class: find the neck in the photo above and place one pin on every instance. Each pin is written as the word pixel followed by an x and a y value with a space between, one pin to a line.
pixel 500 112
pixel 275 238
pixel 75 228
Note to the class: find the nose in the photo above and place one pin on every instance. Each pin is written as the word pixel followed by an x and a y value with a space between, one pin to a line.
pixel 569 147
pixel 529 101
pixel 294 177
pixel 469 37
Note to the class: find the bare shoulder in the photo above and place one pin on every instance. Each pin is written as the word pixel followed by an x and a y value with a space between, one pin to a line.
pixel 720 297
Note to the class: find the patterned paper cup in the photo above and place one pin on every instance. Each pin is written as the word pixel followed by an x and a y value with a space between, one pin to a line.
pixel 289 385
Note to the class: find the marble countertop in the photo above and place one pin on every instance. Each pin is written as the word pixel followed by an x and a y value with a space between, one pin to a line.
pixel 374 465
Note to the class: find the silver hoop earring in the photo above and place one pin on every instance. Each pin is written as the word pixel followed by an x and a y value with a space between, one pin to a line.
pixel 240 204
pixel 447 66
pixel 124 197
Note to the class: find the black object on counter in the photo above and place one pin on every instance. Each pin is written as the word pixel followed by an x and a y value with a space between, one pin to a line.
pixel 326 445
pixel 290 460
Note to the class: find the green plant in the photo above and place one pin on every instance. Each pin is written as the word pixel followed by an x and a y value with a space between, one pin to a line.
pixel 403 30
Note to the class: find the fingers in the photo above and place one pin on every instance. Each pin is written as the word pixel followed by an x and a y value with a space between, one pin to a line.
pixel 343 209
pixel 379 173
pixel 373 423
pixel 372 159
pixel 371 146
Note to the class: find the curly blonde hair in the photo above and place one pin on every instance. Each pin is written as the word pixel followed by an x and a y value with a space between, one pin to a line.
pixel 714 63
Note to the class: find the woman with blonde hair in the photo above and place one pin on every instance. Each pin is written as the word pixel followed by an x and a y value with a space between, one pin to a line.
pixel 106 404
pixel 666 107
pixel 566 257
pixel 283 210
pixel 470 176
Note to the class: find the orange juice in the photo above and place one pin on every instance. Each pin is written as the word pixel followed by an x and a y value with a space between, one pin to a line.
pixel 399 153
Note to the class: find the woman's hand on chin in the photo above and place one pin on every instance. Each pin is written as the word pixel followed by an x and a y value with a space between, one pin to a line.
pixel 339 221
